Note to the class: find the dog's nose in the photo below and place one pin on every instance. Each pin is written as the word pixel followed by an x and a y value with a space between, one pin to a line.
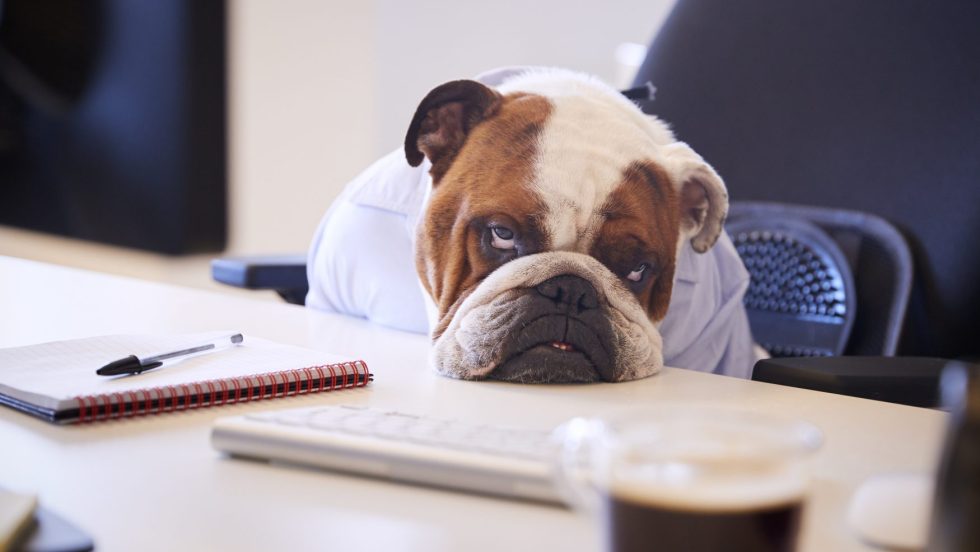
pixel 570 291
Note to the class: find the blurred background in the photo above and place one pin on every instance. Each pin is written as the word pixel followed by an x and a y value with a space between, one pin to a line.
pixel 144 137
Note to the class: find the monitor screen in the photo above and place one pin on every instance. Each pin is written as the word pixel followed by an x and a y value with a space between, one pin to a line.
pixel 112 121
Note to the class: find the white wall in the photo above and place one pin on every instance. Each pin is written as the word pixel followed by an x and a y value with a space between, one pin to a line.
pixel 425 43
pixel 323 88
pixel 319 89
pixel 303 114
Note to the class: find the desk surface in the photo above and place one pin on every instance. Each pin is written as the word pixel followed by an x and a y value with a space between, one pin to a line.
pixel 155 483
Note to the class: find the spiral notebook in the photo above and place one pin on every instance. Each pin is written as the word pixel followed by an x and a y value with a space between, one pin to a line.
pixel 57 382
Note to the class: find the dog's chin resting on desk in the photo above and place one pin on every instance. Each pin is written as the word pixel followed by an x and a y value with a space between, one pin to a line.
pixel 559 235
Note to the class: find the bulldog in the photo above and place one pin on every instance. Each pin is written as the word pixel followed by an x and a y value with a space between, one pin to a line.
pixel 547 240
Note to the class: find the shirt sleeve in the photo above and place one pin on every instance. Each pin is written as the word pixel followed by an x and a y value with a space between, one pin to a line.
pixel 706 327
pixel 360 262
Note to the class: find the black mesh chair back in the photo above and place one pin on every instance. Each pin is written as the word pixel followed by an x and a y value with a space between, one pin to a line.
pixel 824 282
pixel 871 106
pixel 801 297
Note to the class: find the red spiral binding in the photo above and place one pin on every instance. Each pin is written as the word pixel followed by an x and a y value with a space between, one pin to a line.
pixel 170 398
pixel 210 385
pixel 120 402
pixel 198 395
pixel 172 395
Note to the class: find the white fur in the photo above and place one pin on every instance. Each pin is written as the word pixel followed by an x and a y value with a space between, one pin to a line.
pixel 592 135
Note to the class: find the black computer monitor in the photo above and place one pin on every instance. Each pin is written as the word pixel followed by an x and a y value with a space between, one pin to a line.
pixel 112 121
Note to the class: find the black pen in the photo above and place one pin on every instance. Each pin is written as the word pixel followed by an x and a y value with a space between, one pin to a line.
pixel 134 364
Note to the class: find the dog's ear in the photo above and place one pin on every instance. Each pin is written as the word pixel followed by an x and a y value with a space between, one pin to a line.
pixel 444 119
pixel 703 196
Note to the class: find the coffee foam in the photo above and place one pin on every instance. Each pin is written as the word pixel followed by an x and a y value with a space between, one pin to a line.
pixel 716 489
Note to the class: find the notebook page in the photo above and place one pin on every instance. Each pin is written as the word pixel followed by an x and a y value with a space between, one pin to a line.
pixel 49 374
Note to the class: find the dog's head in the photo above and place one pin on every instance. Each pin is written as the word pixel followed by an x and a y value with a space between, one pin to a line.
pixel 549 241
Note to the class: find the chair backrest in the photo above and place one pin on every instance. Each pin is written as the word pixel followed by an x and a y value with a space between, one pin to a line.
pixel 824 281
pixel 871 105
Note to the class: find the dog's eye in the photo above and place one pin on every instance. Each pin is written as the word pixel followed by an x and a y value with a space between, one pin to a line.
pixel 637 274
pixel 502 238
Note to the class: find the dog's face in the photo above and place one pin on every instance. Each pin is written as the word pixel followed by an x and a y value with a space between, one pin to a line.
pixel 549 241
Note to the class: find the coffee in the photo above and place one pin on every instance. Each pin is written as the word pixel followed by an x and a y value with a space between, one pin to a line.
pixel 633 526
pixel 683 479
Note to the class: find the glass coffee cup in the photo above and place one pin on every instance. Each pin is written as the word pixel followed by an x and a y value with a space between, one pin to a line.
pixel 691 479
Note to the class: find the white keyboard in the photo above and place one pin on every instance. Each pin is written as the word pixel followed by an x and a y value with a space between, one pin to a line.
pixel 512 463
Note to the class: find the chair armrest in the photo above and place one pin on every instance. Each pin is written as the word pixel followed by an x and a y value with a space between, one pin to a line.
pixel 286 274
pixel 907 380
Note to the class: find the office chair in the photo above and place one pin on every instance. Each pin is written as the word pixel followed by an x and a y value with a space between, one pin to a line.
pixel 284 274
pixel 868 106
pixel 824 282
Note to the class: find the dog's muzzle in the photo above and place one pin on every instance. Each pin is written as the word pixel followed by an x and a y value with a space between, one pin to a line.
pixel 562 336
pixel 552 317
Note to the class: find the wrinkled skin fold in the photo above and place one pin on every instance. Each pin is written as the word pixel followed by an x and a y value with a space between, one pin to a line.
pixel 494 327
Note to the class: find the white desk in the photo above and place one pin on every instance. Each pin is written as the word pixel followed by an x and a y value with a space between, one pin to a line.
pixel 156 484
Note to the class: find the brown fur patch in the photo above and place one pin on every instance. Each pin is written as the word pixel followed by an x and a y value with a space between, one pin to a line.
pixel 487 182
pixel 444 118
pixel 642 225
